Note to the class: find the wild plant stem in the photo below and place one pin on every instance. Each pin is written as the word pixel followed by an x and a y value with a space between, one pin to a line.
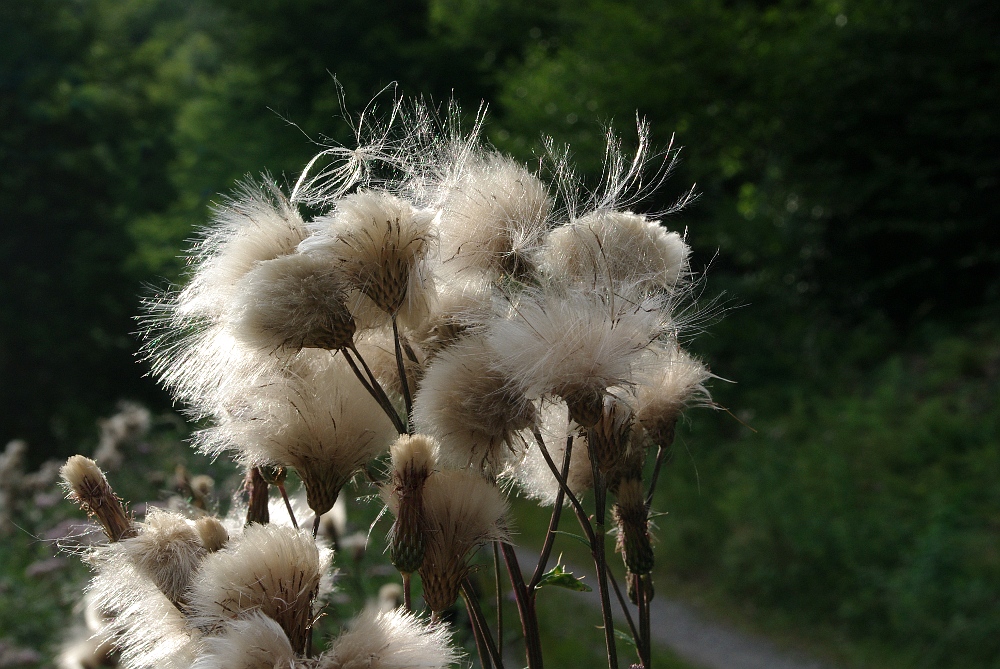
pixel 644 642
pixel 407 592
pixel 525 608
pixel 485 645
pixel 550 535
pixel 288 505
pixel 498 583
pixel 600 556
pixel 624 604
pixel 407 399
pixel 374 388
pixel 661 454
pixel 564 486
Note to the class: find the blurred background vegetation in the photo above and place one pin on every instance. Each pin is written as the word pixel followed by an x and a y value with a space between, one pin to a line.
pixel 846 156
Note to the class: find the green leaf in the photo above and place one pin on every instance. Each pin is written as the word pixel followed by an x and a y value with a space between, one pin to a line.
pixel 625 637
pixel 582 540
pixel 558 576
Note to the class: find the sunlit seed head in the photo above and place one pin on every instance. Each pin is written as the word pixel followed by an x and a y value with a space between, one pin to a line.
pixel 462 511
pixel 88 486
pixel 459 306
pixel 253 642
pixel 291 303
pixel 212 532
pixel 576 344
pixel 673 380
pixel 379 242
pixel 257 224
pixel 472 408
pixel 390 640
pixel 167 550
pixel 493 220
pixel 272 569
pixel 316 418
pixel 615 248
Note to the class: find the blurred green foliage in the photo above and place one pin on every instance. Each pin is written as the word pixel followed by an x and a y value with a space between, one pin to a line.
pixel 845 156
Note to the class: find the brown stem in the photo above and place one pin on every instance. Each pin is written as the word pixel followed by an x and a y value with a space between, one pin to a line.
pixel 624 604
pixel 373 387
pixel 525 608
pixel 563 486
pixel 643 644
pixel 407 400
pixel 484 640
pixel 498 584
pixel 600 557
pixel 257 511
pixel 407 592
pixel 550 535
pixel 288 505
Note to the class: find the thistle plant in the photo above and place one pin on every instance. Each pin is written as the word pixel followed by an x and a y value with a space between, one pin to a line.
pixel 428 316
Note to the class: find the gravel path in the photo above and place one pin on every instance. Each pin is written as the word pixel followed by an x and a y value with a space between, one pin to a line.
pixel 702 641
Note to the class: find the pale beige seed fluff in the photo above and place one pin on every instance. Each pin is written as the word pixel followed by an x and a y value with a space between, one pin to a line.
pixel 148 629
pixel 380 243
pixel 209 370
pixel 673 380
pixel 462 511
pixel 493 218
pixel 472 408
pixel 253 642
pixel 459 306
pixel 270 569
pixel 414 457
pixel 390 640
pixel 255 225
pixel 212 532
pixel 575 343
pixel 534 476
pixel 292 302
pixel 167 550
pixel 613 248
pixel 317 419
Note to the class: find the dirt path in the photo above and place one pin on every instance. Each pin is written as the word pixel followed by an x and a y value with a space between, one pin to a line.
pixel 702 641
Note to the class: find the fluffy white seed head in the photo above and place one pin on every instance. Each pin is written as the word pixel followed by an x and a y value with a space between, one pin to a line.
pixel 167 550
pixel 255 225
pixel 272 569
pixel 673 380
pixel 253 642
pixel 212 532
pixel 149 629
pixel 317 419
pixel 575 344
pixel 293 302
pixel 462 511
pixel 613 248
pixel 493 218
pixel 379 242
pixel 472 408
pixel 390 640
